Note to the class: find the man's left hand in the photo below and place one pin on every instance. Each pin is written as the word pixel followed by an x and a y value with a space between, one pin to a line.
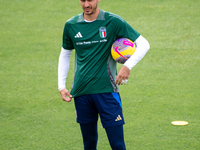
pixel 122 76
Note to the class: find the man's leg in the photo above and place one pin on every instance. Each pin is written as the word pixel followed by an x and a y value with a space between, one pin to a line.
pixel 116 137
pixel 110 109
pixel 87 117
pixel 90 135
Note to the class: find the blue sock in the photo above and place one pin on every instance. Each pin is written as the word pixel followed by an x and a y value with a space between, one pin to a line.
pixel 90 136
pixel 116 137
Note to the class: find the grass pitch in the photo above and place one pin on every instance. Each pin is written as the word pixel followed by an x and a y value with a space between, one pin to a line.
pixel 163 87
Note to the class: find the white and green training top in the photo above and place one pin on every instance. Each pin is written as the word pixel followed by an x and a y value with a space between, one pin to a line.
pixel 95 69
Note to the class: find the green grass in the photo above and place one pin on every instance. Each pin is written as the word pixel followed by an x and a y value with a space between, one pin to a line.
pixel 163 87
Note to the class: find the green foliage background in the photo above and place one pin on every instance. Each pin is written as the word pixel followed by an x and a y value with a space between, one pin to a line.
pixel 163 86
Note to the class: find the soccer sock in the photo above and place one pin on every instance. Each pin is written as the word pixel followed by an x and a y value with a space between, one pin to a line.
pixel 116 137
pixel 90 135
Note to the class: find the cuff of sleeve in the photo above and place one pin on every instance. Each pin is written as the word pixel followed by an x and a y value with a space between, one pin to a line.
pixel 61 88
pixel 128 65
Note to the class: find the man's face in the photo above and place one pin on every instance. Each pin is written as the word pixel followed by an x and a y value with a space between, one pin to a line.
pixel 89 6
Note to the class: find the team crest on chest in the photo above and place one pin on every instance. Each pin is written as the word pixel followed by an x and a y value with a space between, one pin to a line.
pixel 102 32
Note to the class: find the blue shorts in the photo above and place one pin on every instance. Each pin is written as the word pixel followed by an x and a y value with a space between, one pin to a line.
pixel 107 105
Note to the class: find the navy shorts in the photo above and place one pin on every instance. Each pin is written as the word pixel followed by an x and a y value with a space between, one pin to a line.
pixel 107 105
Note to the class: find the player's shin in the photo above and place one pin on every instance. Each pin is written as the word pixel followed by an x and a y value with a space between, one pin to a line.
pixel 116 137
pixel 90 135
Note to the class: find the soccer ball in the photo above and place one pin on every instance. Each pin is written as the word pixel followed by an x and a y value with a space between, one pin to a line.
pixel 122 49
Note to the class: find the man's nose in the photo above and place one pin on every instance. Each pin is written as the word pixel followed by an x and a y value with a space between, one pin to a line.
pixel 86 4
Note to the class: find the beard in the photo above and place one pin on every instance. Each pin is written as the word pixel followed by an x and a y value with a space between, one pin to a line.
pixel 93 10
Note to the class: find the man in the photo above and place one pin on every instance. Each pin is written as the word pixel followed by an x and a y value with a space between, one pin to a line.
pixel 95 85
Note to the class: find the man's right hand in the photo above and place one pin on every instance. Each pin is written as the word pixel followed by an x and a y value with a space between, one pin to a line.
pixel 66 96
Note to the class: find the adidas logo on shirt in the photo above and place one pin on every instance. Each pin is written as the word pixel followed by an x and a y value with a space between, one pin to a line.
pixel 78 35
pixel 118 118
